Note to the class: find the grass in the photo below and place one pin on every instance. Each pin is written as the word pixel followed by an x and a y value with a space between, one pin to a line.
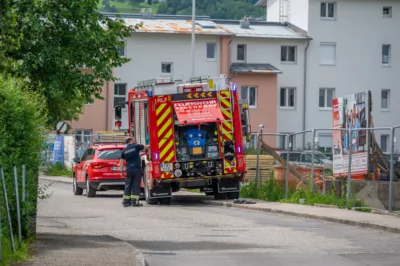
pixel 271 190
pixel 58 170
pixel 21 254
pixel 125 7
pixel 196 190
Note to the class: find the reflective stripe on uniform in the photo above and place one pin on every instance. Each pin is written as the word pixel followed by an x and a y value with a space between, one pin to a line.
pixel 127 197
pixel 134 196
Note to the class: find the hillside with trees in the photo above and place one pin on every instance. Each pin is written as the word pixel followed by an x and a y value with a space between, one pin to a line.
pixel 216 9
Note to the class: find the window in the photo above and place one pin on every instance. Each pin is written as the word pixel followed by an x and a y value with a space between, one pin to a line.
pixel 249 93
pixel 385 96
pixel 211 50
pixel 119 94
pixel 387 12
pixel 384 143
pixel 282 143
pixel 287 97
pixel 241 52
pixel 326 96
pixel 328 54
pixel 288 54
pixel 328 10
pixel 386 54
pixel 166 68
pixel 113 154
pixel 122 49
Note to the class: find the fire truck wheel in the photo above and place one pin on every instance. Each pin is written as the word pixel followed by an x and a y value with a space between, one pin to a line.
pixel 165 201
pixel 233 195
pixel 77 190
pixel 219 196
pixel 209 193
pixel 90 191
pixel 147 191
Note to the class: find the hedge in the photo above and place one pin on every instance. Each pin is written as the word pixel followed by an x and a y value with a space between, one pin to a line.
pixel 22 132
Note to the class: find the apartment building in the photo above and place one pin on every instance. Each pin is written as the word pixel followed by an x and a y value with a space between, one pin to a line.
pixel 355 48
pixel 264 59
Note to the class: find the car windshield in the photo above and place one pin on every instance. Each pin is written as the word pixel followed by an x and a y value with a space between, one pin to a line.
pixel 113 154
pixel 321 156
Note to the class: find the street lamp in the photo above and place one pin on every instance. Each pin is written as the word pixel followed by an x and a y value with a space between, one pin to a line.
pixel 193 35
pixel 259 136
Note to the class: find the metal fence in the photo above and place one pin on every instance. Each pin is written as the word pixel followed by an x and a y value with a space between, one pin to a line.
pixel 20 196
pixel 349 157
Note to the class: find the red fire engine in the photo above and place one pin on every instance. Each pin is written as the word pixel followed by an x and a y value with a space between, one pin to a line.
pixel 196 134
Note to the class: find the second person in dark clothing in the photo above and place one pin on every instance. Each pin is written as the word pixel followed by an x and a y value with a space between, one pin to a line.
pixel 131 154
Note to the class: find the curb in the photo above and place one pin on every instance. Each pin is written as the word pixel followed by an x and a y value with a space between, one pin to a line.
pixel 53 180
pixel 305 215
pixel 139 257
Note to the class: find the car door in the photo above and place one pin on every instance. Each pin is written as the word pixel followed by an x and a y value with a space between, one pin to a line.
pixel 85 163
pixel 79 167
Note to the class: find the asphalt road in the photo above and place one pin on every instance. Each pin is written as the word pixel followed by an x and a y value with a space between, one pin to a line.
pixel 195 234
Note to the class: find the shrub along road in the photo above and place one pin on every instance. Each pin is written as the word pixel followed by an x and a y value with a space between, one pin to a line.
pixel 189 233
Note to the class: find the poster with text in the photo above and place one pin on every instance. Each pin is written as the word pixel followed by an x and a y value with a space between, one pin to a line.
pixel 350 112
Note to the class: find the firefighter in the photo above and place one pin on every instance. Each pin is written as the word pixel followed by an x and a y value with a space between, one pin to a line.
pixel 133 172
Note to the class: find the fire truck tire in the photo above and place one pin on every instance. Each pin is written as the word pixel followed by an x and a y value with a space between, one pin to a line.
pixel 90 191
pixel 219 196
pixel 165 201
pixel 77 190
pixel 147 192
pixel 209 193
pixel 233 195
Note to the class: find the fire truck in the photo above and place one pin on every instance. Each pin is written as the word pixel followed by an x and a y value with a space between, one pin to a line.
pixel 196 132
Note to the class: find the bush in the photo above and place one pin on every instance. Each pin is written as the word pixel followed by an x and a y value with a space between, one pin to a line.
pixel 58 169
pixel 22 132
pixel 271 190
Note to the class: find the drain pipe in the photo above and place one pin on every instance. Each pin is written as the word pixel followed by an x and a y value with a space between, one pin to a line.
pixel 305 93
pixel 107 96
pixel 229 59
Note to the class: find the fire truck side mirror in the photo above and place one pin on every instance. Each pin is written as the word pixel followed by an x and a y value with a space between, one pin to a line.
pixel 118 112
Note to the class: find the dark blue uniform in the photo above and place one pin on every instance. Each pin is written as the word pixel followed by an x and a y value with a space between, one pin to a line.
pixel 133 172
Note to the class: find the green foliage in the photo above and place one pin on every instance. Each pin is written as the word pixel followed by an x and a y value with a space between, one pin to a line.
pixel 273 191
pixel 127 6
pixel 22 133
pixel 21 254
pixel 58 169
pixel 46 43
pixel 217 9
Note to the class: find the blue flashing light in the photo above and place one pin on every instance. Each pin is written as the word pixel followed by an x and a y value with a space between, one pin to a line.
pixel 234 86
pixel 156 156
pixel 239 149
pixel 150 93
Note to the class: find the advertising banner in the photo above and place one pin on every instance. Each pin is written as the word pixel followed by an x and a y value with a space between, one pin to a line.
pixel 194 112
pixel 350 112
pixel 58 155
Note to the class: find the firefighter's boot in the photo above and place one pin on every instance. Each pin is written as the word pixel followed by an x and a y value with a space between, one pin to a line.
pixel 135 202
pixel 126 202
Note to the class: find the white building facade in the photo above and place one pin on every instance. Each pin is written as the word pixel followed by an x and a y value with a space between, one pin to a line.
pixel 355 48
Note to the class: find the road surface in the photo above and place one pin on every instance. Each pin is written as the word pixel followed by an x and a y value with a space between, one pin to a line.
pixel 195 234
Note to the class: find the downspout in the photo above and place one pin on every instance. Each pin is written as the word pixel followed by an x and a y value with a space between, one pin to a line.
pixel 107 96
pixel 305 93
pixel 229 59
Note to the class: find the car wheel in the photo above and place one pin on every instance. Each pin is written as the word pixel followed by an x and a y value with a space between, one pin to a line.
pixel 77 190
pixel 90 191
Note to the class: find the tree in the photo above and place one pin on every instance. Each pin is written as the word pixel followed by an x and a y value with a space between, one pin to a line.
pixel 46 42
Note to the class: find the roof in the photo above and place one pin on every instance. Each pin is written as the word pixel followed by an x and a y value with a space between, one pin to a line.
pixel 173 24
pixel 254 68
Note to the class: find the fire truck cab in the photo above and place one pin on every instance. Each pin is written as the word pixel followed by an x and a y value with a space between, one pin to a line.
pixel 196 134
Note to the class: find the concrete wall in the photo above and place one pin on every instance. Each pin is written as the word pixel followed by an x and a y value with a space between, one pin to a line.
pixel 359 31
pixel 298 12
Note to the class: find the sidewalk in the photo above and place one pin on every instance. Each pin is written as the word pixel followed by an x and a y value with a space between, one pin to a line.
pixel 384 222
pixel 58 245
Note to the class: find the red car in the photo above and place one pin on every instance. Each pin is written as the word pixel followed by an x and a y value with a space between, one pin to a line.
pixel 98 170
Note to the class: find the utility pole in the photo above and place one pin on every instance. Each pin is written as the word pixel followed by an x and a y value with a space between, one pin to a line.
pixel 193 36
